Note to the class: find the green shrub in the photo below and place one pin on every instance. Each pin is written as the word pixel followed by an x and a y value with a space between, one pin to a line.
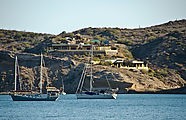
pixel 151 74
pixel 96 59
pixel 109 63
pixel 101 63
pixel 144 71
pixel 17 36
pixel 161 73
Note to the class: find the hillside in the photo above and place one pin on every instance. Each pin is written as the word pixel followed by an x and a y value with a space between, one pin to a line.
pixel 134 37
pixel 20 41
pixel 161 46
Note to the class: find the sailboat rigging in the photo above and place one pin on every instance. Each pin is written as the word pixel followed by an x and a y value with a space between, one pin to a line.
pixel 93 93
pixel 52 92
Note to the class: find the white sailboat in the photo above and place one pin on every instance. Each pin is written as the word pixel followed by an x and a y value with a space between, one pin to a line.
pixel 93 93
pixel 52 92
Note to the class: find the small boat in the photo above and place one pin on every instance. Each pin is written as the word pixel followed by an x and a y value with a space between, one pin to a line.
pixel 63 93
pixel 63 89
pixel 52 92
pixel 93 93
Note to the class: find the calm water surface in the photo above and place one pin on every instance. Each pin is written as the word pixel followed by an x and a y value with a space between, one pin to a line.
pixel 125 107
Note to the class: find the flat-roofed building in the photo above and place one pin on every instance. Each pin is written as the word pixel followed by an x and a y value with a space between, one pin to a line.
pixel 82 47
pixel 131 64
pixel 70 47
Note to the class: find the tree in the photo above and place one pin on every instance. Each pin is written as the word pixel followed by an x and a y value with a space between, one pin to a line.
pixel 17 36
pixel 69 35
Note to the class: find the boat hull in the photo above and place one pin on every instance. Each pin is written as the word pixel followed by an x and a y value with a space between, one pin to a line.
pixel 63 93
pixel 100 96
pixel 33 98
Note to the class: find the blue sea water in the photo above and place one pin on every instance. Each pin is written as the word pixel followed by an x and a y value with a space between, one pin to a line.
pixel 125 107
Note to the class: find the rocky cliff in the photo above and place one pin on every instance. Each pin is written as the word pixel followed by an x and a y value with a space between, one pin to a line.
pixel 70 71
pixel 54 71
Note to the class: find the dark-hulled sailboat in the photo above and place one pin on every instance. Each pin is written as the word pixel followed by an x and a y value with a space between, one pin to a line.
pixel 52 92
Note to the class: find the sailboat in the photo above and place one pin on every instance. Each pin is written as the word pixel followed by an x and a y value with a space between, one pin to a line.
pixel 52 92
pixel 93 93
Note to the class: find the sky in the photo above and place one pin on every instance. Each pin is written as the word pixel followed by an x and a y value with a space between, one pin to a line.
pixel 55 16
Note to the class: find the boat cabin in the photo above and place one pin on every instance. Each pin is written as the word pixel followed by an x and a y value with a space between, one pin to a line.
pixel 52 91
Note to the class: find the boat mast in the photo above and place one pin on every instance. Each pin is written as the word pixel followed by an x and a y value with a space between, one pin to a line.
pixel 41 74
pixel 91 78
pixel 63 87
pixel 15 73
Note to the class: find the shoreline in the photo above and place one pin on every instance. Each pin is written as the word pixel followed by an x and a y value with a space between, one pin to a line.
pixel 181 90
pixel 8 93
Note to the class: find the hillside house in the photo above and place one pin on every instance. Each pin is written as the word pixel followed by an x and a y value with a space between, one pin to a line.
pixel 70 47
pixel 130 64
